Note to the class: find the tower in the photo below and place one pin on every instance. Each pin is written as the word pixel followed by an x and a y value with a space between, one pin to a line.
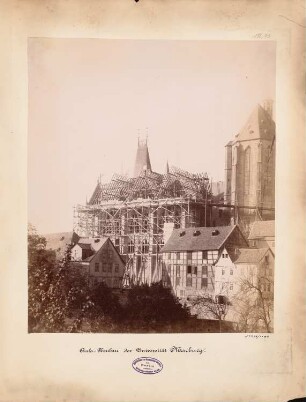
pixel 228 172
pixel 142 162
pixel 250 165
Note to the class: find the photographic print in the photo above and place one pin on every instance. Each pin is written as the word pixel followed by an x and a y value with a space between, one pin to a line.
pixel 151 182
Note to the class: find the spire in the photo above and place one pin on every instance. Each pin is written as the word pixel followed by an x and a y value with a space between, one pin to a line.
pixel 142 162
pixel 167 168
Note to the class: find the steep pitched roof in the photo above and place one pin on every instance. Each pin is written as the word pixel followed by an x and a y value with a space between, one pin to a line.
pixel 85 246
pixel 95 195
pixel 92 242
pixel 185 240
pixel 258 125
pixel 261 229
pixel 142 161
pixel 251 255
pixel 97 251
pixel 88 259
pixel 59 242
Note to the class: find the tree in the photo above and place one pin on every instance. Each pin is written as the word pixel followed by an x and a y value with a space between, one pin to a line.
pixel 58 296
pixel 44 302
pixel 106 302
pixel 211 308
pixel 153 305
pixel 254 302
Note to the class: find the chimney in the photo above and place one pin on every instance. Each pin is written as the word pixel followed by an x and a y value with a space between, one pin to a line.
pixel 168 228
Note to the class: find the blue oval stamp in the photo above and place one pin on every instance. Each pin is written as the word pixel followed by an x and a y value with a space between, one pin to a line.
pixel 147 365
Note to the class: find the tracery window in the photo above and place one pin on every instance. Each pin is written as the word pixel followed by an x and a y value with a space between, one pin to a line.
pixel 247 170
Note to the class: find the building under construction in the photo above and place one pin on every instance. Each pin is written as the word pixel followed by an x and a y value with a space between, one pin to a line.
pixel 138 213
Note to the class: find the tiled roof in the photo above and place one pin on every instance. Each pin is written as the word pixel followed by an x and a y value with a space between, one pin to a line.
pixel 250 255
pixel 258 125
pixel 93 242
pixel 59 242
pixel 261 229
pixel 88 259
pixel 85 246
pixel 184 239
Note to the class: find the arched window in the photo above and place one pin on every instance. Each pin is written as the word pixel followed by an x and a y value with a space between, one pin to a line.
pixel 259 159
pixel 247 170
pixel 235 155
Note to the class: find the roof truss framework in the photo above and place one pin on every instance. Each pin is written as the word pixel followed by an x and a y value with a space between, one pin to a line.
pixel 135 210
pixel 176 183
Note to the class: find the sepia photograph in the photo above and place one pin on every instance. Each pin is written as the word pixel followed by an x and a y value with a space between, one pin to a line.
pixel 151 186
pixel 153 195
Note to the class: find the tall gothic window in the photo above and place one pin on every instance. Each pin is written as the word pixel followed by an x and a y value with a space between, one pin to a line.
pixel 247 170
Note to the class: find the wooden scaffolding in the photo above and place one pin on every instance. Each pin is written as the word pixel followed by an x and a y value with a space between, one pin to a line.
pixel 135 214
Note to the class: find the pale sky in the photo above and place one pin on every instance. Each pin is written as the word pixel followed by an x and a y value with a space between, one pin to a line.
pixel 89 97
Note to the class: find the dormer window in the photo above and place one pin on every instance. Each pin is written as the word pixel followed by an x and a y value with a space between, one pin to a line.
pixel 196 233
pixel 215 232
pixel 182 233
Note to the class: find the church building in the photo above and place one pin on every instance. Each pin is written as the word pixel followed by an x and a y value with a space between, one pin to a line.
pixel 250 167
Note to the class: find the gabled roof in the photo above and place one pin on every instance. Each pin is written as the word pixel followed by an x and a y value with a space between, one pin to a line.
pixel 251 255
pixel 94 243
pixel 232 252
pixel 262 229
pixel 185 240
pixel 95 194
pixel 59 242
pixel 88 259
pixel 91 242
pixel 258 125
